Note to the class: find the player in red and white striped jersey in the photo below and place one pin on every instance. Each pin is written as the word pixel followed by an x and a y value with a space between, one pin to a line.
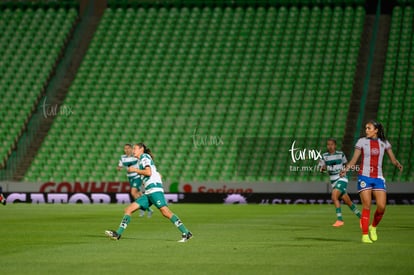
pixel 371 182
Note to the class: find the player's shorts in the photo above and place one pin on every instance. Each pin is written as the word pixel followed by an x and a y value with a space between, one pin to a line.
pixel 341 185
pixel 135 182
pixel 156 198
pixel 367 183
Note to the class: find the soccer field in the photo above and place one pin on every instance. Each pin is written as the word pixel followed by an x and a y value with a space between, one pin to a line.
pixel 228 239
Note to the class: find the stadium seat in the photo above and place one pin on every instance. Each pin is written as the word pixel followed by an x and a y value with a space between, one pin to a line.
pixel 396 99
pixel 190 80
pixel 30 42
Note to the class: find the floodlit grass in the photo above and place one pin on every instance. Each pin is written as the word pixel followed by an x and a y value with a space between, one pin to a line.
pixel 228 239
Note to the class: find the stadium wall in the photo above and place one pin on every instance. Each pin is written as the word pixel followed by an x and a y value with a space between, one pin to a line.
pixel 195 187
pixel 194 192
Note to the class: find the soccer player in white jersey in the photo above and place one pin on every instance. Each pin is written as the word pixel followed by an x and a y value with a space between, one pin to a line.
pixel 154 194
pixel 128 160
pixel 371 182
pixel 333 162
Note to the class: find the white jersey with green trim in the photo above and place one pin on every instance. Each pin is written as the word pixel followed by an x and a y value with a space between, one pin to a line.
pixel 129 161
pixel 334 164
pixel 152 183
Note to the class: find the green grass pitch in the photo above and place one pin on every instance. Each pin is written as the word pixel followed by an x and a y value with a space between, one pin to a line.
pixel 228 239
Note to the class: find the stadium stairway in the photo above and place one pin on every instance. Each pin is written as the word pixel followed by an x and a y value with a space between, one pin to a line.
pixel 377 72
pixel 359 79
pixel 59 84
pixel 375 77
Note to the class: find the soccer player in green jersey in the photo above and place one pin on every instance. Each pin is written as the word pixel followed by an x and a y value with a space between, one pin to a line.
pixel 154 194
pixel 333 162
pixel 128 160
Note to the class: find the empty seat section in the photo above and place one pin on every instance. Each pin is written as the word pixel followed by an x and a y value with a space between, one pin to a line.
pixel 197 83
pixel 396 109
pixel 30 43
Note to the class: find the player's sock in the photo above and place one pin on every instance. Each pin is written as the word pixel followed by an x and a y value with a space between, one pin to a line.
pixel 124 223
pixel 177 222
pixel 150 212
pixel 377 218
pixel 365 221
pixel 339 214
pixel 355 210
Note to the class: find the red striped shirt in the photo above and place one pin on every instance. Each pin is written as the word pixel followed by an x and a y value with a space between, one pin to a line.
pixel 372 154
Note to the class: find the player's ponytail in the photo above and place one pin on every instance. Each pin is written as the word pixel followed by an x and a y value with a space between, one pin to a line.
pixel 381 132
pixel 146 149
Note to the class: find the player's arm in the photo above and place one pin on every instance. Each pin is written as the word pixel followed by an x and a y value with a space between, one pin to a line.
pixel 120 166
pixel 145 172
pixel 322 165
pixel 344 160
pixel 352 163
pixel 135 193
pixel 394 160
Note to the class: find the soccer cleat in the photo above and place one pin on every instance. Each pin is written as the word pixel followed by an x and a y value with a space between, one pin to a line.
pixel 338 224
pixel 366 239
pixel 2 199
pixel 141 213
pixel 149 214
pixel 185 237
pixel 373 233
pixel 112 234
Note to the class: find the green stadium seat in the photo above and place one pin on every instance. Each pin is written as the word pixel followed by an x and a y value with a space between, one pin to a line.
pixel 30 43
pixel 395 107
pixel 217 72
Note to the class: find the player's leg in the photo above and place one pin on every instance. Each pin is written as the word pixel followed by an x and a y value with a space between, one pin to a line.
pixel 140 203
pixel 366 198
pixel 186 234
pixel 158 199
pixel 365 194
pixel 347 200
pixel 336 194
pixel 150 212
pixel 135 191
pixel 342 186
pixel 381 200
pixel 126 219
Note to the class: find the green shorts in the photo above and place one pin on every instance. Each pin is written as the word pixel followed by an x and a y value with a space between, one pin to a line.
pixel 340 185
pixel 135 182
pixel 156 198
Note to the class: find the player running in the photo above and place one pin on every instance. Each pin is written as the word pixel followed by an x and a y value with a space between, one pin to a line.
pixel 154 194
pixel 128 160
pixel 371 182
pixel 333 162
